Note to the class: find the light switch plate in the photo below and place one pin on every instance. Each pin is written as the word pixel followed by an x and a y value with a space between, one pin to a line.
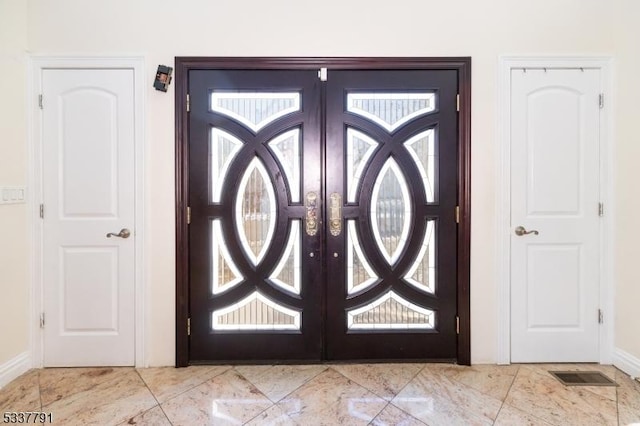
pixel 13 194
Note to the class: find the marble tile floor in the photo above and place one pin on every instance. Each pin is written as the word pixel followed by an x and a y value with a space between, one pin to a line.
pixel 346 394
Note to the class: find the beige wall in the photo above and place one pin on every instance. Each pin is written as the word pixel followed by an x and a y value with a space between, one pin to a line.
pixel 14 259
pixel 161 30
pixel 627 176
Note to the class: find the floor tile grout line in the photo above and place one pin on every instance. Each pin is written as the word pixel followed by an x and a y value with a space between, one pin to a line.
pixel 424 366
pixel 186 390
pixel 379 396
pixel 234 368
pixel 379 412
pixel 466 386
pixel 634 382
pixel 154 397
pixel 407 413
pixel 520 367
pixel 39 389
pixel 615 377
pixel 410 380
pixel 539 369
pixel 341 375
pixel 390 401
pixel 504 401
pixel 88 390
pixel 365 388
pixel 273 404
pixel 453 379
pixel 278 401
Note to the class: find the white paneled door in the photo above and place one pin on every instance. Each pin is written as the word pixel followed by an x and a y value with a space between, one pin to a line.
pixel 88 192
pixel 555 224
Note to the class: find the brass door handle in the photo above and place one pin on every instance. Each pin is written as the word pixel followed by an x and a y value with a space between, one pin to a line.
pixel 520 231
pixel 124 233
pixel 335 217
pixel 312 213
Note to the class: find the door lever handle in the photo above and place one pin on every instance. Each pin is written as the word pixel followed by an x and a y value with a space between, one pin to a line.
pixel 124 233
pixel 312 218
pixel 520 231
pixel 335 218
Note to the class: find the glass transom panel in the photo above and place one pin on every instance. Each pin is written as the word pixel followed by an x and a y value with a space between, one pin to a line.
pixel 360 147
pixel 390 110
pixel 224 147
pixel 225 273
pixel 391 211
pixel 288 271
pixel 422 150
pixel 360 275
pixel 255 211
pixel 390 311
pixel 255 110
pixel 286 148
pixel 256 312
pixel 422 273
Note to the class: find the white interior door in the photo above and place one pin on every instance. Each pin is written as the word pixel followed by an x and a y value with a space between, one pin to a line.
pixel 88 191
pixel 555 126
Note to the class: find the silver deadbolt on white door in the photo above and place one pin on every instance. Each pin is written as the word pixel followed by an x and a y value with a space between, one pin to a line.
pixel 124 233
pixel 520 231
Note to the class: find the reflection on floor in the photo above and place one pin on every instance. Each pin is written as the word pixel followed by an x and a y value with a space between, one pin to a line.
pixel 356 394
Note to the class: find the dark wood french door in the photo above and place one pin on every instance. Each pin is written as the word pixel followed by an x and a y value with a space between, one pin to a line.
pixel 391 149
pixel 254 151
pixel 321 216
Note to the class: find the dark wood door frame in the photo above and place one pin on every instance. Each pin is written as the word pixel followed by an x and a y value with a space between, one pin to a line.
pixel 185 64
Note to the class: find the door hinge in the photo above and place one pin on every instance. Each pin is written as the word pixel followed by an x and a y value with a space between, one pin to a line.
pixel 601 100
pixel 458 102
pixel 42 320
pixel 457 214
pixel 40 101
pixel 600 316
pixel 322 74
pixel 600 209
pixel 188 326
pixel 188 103
pixel 41 211
pixel 188 215
pixel 457 325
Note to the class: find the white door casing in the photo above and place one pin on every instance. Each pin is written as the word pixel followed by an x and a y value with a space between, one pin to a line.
pixel 89 189
pixel 555 173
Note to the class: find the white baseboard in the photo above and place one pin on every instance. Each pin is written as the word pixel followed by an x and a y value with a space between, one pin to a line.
pixel 626 362
pixel 15 367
